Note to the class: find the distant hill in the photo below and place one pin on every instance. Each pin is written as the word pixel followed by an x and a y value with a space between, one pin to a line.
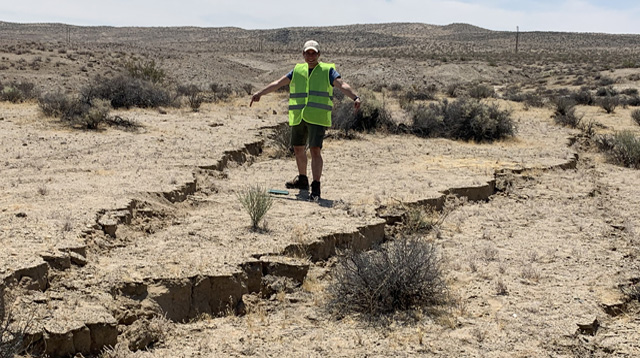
pixel 456 42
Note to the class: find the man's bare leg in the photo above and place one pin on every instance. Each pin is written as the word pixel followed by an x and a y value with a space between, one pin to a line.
pixel 301 159
pixel 316 162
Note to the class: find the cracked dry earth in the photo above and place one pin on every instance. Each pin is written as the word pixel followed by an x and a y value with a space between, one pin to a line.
pixel 527 266
pixel 106 231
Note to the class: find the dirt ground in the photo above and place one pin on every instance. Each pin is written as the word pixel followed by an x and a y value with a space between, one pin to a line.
pixel 133 240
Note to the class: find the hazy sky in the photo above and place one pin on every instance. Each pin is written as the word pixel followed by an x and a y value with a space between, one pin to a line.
pixel 614 16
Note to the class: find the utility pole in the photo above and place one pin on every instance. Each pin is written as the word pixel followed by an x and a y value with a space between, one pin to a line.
pixel 517 37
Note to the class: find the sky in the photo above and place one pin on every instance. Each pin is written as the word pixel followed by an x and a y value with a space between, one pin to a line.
pixel 614 16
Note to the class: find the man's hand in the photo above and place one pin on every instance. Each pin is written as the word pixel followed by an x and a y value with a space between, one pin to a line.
pixel 357 103
pixel 255 98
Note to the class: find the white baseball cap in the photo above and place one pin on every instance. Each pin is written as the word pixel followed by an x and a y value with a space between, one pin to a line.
pixel 311 45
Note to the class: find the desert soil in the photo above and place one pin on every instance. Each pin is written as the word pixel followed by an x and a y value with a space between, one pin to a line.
pixel 135 238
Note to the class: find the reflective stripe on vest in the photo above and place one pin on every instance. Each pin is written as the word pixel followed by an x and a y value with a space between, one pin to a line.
pixel 311 95
pixel 320 105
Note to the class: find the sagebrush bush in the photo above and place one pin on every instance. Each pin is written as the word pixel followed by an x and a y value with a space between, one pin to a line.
pixel 12 95
pixel 454 90
pixel 186 90
pixel 405 273
pixel 583 97
pixel 75 111
pixel 421 93
pixel 193 94
pixel 480 91
pixel 281 139
pixel 534 100
pixel 608 103
pixel 606 91
pixel 96 114
pixel 256 202
pixel 632 291
pixel 221 92
pixel 395 87
pixel 465 119
pixel 635 115
pixel 622 148
pixel 633 101
pixel 565 112
pixel 372 115
pixel 126 92
pixel 605 81
pixel 428 120
pixel 248 88
pixel 58 105
pixel 147 71
pixel 530 99
pixel 416 220
pixel 16 92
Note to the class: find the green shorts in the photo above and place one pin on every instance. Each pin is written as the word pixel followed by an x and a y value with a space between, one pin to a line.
pixel 307 132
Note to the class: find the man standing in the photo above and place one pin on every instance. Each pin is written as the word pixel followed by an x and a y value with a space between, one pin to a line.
pixel 310 104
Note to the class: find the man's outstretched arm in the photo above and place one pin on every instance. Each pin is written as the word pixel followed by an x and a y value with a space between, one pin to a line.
pixel 348 91
pixel 271 87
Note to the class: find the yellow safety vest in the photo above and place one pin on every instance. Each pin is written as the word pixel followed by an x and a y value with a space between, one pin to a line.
pixel 311 95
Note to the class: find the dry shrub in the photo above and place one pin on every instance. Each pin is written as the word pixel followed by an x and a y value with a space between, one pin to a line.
pixel 479 91
pixel 281 140
pixel 372 115
pixel 248 88
pixel 126 92
pixel 608 103
pixel 147 71
pixel 421 93
pixel 454 90
pixel 221 92
pixel 622 148
pixel 96 114
pixel 79 113
pixel 428 120
pixel 59 105
pixel 404 274
pixel 633 101
pixel 465 119
pixel 119 351
pixel 565 112
pixel 583 97
pixel 17 92
pixel 417 220
pixel 395 87
pixel 193 94
pixel 605 81
pixel 632 291
pixel 635 115
pixel 606 91
pixel 256 202
pixel 530 99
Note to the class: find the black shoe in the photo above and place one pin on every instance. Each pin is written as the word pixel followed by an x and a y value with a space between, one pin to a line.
pixel 315 191
pixel 300 182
